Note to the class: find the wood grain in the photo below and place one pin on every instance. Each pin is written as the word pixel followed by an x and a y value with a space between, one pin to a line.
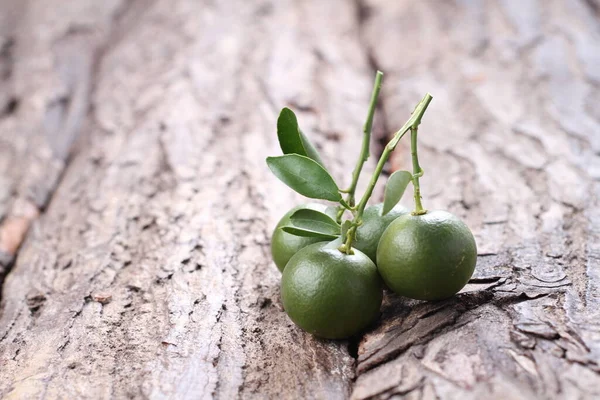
pixel 47 52
pixel 149 274
pixel 134 189
pixel 510 143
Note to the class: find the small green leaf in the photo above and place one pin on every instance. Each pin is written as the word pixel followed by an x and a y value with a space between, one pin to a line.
pixel 315 221
pixel 345 226
pixel 288 133
pixel 305 176
pixel 394 189
pixel 291 138
pixel 308 233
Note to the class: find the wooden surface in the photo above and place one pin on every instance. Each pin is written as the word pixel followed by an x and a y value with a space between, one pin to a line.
pixel 132 144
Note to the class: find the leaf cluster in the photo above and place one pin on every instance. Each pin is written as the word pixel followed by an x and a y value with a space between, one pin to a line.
pixel 302 169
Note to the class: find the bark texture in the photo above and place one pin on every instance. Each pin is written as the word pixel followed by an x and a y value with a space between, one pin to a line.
pixel 132 144
pixel 47 53
pixel 510 144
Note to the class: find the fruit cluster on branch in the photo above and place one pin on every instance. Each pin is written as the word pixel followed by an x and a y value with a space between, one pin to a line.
pixel 333 268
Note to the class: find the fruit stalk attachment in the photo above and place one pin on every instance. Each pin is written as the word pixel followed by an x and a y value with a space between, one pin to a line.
pixel 412 124
pixel 364 152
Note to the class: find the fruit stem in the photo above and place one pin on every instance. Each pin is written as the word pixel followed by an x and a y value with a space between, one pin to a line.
pixel 412 123
pixel 364 151
pixel 417 172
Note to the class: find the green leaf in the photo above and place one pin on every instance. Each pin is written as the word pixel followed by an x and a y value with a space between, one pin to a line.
pixel 308 233
pixel 345 226
pixel 315 221
pixel 305 176
pixel 394 189
pixel 288 133
pixel 291 138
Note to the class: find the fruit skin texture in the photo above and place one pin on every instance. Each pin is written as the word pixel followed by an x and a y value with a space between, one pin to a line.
pixel 284 245
pixel 427 257
pixel 329 293
pixel 373 226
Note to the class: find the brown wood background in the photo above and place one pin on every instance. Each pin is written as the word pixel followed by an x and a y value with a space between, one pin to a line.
pixel 136 207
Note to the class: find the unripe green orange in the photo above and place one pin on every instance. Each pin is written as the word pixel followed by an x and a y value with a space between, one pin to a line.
pixel 329 293
pixel 284 245
pixel 427 257
pixel 372 227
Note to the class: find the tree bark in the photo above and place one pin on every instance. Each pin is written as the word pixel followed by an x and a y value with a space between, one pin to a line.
pixel 133 186
pixel 510 144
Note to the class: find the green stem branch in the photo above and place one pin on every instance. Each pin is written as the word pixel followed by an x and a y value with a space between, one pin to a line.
pixel 364 151
pixel 417 173
pixel 412 123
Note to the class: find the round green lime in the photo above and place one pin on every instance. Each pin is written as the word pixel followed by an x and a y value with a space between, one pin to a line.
pixel 373 226
pixel 427 257
pixel 284 245
pixel 329 293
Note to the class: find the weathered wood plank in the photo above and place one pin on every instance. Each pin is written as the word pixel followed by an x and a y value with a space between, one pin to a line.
pixel 149 275
pixel 511 144
pixel 47 51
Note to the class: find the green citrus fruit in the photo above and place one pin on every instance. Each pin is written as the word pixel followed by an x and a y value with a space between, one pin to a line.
pixel 372 227
pixel 427 257
pixel 329 293
pixel 284 245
